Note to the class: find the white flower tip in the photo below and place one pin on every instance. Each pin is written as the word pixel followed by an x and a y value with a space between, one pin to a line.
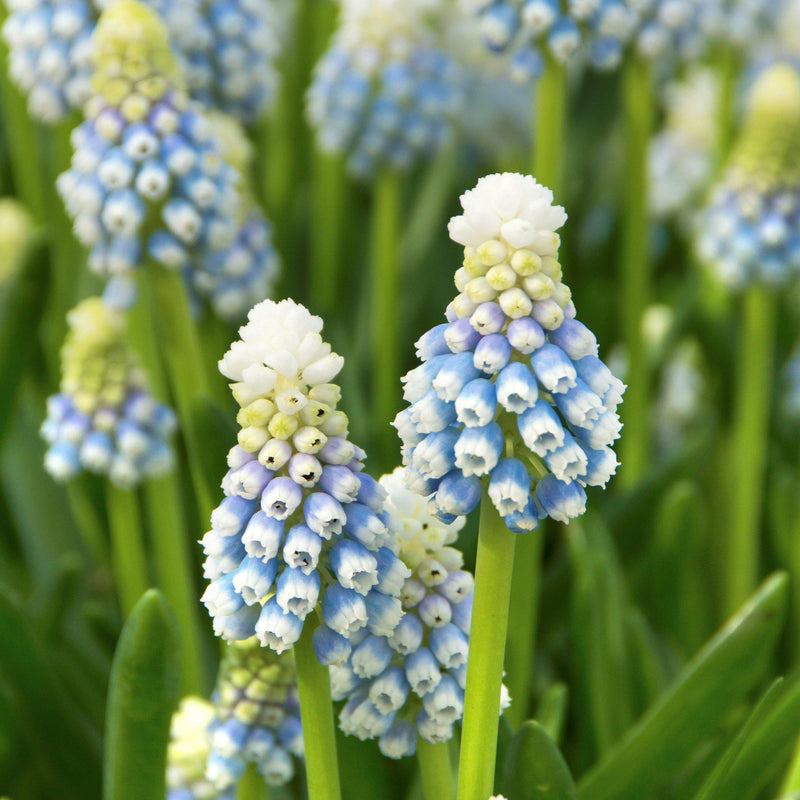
pixel 506 203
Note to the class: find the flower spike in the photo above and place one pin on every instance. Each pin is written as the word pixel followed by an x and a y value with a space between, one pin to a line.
pixel 511 390
pixel 410 683
pixel 104 419
pixel 749 231
pixel 300 525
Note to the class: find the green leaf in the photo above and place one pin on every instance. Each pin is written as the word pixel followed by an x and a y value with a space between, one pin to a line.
pixel 692 708
pixel 711 789
pixel 142 695
pixel 768 748
pixel 598 611
pixel 552 711
pixel 216 429
pixel 534 769
pixel 58 738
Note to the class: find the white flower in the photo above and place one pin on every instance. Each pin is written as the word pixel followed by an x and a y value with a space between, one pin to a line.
pixel 508 206
pixel 280 348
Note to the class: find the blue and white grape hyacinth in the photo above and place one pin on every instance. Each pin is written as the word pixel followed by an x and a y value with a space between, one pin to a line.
pixel 511 390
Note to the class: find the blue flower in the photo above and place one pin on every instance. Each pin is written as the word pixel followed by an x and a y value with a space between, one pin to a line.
pixel 256 718
pixel 301 525
pixel 750 230
pixel 384 93
pixel 539 422
pixel 147 179
pixel 104 420
pixel 409 682
pixel 50 53
pixel 227 51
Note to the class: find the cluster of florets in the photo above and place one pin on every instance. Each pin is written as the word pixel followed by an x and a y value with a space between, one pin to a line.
pixel 147 179
pixel 746 24
pixel 532 28
pixel 188 752
pixel 411 682
pixel 384 93
pixel 235 278
pixel 681 156
pixel 599 30
pixel 227 50
pixel 300 522
pixel 257 717
pixel 750 230
pixel 50 53
pixel 104 420
pixel 511 388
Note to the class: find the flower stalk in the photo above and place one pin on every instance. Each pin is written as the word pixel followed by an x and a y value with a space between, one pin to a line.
pixel 127 547
pixel 493 575
pixel 436 770
pixel 635 265
pixel 385 289
pixel 316 713
pixel 749 443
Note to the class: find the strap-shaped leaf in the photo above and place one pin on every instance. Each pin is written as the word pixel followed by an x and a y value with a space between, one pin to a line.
pixel 534 768
pixel 142 695
pixel 692 708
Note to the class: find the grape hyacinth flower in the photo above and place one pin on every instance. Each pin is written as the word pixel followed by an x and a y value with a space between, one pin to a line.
pixel 188 752
pixel 104 420
pixel 227 51
pixel 511 391
pixel 750 231
pixel 147 179
pixel 384 93
pixel 412 682
pixel 49 45
pixel 300 524
pixel 681 155
pixel 242 274
pixel 257 718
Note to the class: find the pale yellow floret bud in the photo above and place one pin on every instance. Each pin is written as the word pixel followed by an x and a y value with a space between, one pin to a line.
pixel 515 303
pixel 328 394
pixel 551 267
pixel 291 402
pixel 335 425
pixel 526 262
pixel 450 558
pixel 479 291
pixel 314 413
pixel 258 413
pixel 252 438
pixel 492 252
pixel 473 266
pixel 309 440
pixel 463 306
pixel 501 277
pixel 282 426
pixel 562 294
pixel 462 278
pixel 539 286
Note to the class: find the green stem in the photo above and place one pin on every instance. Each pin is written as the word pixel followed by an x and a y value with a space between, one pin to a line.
pixel 749 444
pixel 493 574
pixel 21 139
pixel 521 644
pixel 384 294
pixel 127 546
pixel 791 782
pixel 252 786
pixel 87 520
pixel 186 371
pixel 436 770
pixel 635 267
pixel 728 68
pixel 549 125
pixel 173 560
pixel 329 197
pixel 316 715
